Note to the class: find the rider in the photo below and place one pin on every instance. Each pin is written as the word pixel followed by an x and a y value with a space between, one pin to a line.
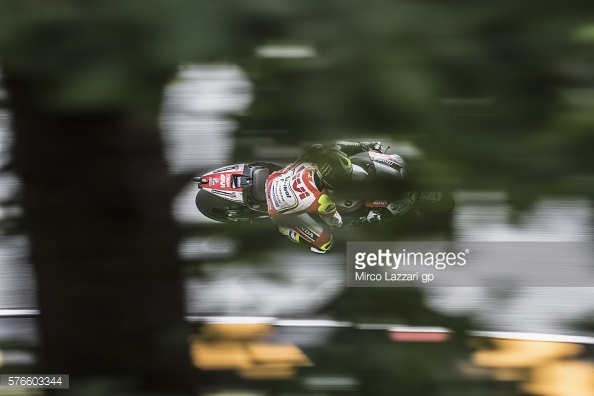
pixel 300 190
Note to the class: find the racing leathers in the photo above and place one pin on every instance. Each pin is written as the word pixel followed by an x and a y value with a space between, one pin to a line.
pixel 297 195
pixel 293 196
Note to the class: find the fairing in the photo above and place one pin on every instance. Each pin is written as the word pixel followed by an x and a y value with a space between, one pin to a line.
pixel 224 182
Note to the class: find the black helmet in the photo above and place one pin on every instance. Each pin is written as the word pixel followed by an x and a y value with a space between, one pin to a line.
pixel 334 168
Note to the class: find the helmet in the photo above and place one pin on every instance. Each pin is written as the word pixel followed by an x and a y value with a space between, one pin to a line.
pixel 334 168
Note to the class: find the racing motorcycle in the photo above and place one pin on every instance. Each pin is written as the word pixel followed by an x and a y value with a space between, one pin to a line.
pixel 236 193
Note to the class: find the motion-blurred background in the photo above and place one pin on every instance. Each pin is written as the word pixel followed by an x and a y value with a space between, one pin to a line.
pixel 110 274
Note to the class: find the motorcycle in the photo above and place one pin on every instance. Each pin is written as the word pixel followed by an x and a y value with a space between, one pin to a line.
pixel 236 193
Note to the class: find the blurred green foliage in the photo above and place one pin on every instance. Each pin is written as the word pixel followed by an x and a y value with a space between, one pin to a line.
pixel 498 93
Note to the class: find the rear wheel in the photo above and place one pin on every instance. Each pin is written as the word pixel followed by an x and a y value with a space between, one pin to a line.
pixel 220 209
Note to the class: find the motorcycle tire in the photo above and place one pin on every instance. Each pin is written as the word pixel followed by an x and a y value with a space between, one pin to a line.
pixel 440 209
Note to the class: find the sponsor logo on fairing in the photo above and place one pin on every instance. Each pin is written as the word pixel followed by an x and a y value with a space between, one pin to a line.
pixel 381 203
pixel 225 193
pixel 226 168
pixel 385 159
pixel 225 181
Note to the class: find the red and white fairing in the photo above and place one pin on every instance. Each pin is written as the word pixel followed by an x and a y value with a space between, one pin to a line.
pixel 222 183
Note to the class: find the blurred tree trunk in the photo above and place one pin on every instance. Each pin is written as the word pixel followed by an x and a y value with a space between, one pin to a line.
pixel 96 199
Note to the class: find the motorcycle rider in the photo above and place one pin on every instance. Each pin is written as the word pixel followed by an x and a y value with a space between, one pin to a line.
pixel 298 193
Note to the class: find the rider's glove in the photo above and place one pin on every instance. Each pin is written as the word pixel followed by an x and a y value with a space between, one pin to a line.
pixel 371 146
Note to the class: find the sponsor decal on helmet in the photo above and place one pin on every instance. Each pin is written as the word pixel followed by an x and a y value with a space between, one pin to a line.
pixel 325 169
pixel 344 160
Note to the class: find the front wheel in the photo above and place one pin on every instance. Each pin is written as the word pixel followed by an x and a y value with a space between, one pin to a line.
pixel 437 208
pixel 220 209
